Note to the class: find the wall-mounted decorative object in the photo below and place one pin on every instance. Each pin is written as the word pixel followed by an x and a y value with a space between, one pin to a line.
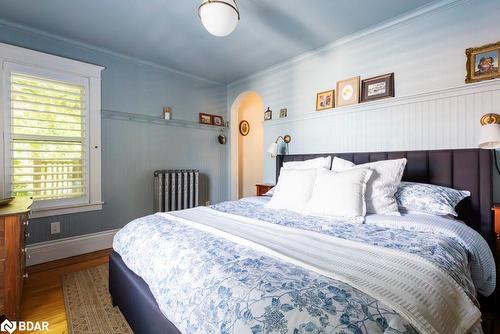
pixel 347 92
pixel 268 114
pixel 222 137
pixel 325 100
pixel 244 128
pixel 167 113
pixel 482 63
pixel 205 118
pixel 376 88
pixel 217 120
pixel 283 113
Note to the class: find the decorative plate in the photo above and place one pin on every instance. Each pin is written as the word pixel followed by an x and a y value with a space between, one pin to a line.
pixel 244 128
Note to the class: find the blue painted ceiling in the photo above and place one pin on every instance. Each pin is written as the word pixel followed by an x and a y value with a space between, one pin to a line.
pixel 169 33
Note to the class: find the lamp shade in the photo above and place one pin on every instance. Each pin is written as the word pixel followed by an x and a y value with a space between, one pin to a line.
pixel 489 136
pixel 273 149
pixel 219 17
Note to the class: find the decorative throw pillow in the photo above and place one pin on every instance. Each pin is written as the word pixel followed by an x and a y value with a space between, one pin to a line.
pixel 429 198
pixel 293 190
pixel 316 163
pixel 339 194
pixel 382 185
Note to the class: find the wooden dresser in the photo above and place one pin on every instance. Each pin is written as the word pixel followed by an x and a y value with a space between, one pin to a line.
pixel 13 223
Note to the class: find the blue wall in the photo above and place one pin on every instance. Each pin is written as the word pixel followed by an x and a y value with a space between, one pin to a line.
pixel 136 87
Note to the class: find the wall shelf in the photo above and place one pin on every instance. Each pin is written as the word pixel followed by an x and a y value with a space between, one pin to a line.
pixel 126 116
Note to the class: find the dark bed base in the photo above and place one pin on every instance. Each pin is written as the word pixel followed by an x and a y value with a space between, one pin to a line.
pixel 132 295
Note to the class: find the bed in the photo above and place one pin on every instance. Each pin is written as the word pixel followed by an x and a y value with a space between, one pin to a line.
pixel 244 277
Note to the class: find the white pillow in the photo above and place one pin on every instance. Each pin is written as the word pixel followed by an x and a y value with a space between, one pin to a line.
pixel 339 194
pixel 293 190
pixel 317 163
pixel 382 185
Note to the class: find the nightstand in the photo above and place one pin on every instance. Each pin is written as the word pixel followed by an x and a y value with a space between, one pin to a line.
pixel 263 188
pixel 496 222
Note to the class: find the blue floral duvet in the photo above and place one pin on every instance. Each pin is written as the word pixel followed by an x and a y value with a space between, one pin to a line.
pixel 207 284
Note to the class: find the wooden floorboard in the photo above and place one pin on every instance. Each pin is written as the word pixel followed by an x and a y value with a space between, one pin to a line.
pixel 43 298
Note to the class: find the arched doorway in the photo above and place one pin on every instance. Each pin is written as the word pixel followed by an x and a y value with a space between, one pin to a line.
pixel 247 165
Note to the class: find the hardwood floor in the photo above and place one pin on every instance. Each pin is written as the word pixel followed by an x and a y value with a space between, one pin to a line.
pixel 43 298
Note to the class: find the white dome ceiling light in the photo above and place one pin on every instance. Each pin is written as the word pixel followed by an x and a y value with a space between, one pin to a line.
pixel 219 17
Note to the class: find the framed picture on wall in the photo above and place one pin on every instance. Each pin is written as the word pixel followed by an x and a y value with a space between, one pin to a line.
pixel 325 100
pixel 268 114
pixel 217 120
pixel 375 88
pixel 348 92
pixel 205 118
pixel 482 63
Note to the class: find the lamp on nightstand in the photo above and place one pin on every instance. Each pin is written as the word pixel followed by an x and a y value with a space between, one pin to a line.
pixel 273 148
pixel 489 134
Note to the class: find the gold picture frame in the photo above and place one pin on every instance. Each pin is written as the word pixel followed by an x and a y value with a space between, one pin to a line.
pixel 348 91
pixel 483 63
pixel 325 100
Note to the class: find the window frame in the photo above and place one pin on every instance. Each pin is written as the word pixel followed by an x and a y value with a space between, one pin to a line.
pixel 16 59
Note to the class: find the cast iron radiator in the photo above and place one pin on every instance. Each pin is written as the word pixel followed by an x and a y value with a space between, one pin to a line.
pixel 176 189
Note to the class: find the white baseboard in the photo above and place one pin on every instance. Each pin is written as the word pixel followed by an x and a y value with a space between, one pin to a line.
pixel 63 248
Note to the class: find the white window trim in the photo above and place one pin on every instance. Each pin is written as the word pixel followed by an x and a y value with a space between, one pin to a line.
pixel 13 57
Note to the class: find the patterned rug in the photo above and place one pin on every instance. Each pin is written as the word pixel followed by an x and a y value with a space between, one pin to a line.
pixel 88 303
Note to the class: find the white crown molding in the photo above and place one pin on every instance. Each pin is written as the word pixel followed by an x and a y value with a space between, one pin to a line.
pixel 429 9
pixel 59 249
pixel 480 87
pixel 82 45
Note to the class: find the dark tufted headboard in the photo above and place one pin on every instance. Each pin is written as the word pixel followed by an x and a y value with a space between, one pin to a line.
pixel 464 169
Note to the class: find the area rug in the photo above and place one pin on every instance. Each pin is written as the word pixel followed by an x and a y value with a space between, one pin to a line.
pixel 88 303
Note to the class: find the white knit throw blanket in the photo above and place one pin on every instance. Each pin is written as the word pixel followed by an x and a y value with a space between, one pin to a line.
pixel 418 290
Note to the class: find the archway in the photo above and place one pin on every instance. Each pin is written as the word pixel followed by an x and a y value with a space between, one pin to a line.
pixel 247 165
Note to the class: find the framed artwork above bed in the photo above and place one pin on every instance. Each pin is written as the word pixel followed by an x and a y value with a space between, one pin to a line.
pixel 483 63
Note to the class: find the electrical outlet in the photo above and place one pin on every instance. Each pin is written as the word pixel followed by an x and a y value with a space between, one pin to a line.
pixel 55 227
pixel 207 203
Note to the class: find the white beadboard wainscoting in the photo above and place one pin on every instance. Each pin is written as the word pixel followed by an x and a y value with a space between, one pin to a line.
pixel 444 119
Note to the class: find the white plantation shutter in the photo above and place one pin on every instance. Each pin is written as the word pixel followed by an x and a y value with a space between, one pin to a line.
pixel 50 118
pixel 47 132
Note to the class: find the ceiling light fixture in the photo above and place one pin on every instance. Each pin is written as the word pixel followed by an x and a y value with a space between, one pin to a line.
pixel 219 17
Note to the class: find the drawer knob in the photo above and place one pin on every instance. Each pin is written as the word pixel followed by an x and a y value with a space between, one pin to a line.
pixel 26 223
pixel 25 275
pixel 26 235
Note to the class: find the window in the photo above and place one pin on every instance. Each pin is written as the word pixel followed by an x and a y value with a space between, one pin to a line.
pixel 48 129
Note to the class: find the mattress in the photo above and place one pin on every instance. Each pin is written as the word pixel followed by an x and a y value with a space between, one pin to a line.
pixel 205 283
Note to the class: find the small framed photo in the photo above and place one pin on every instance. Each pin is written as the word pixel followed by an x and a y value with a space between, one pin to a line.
pixel 376 88
pixel 217 120
pixel 268 114
pixel 325 100
pixel 482 63
pixel 283 113
pixel 205 118
pixel 348 92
